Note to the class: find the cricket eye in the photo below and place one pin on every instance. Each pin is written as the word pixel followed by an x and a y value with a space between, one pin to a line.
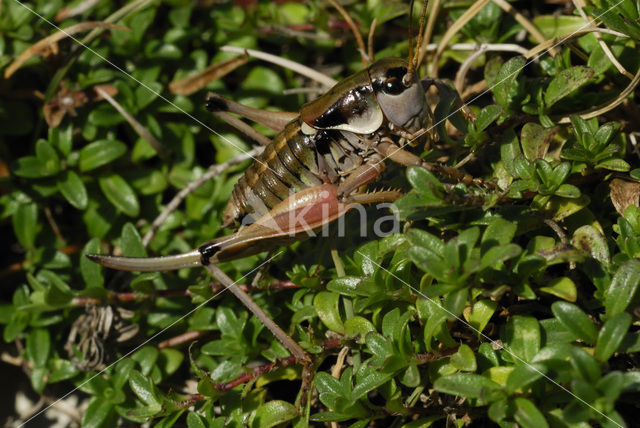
pixel 394 86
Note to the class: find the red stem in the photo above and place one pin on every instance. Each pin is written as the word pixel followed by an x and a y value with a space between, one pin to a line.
pixel 180 339
pixel 255 373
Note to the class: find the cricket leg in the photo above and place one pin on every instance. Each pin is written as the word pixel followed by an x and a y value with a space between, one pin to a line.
pixel 249 303
pixel 389 150
pixel 270 119
pixel 293 219
pixel 242 127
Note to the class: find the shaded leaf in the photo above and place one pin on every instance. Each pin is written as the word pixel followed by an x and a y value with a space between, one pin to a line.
pixel 575 320
pixel 623 287
pixel 328 308
pixel 100 153
pixel 527 414
pixel 535 140
pixel 73 189
pixel 468 385
pixel 611 335
pixel 25 224
pixel 274 413
pixel 565 82
pixel 120 194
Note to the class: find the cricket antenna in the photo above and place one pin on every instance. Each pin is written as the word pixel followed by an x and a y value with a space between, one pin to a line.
pixel 413 57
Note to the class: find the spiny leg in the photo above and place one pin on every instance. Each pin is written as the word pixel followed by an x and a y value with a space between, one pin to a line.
pixel 242 127
pixel 249 303
pixel 390 150
pixel 361 176
pixel 271 119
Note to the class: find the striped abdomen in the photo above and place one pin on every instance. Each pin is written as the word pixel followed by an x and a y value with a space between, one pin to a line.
pixel 292 162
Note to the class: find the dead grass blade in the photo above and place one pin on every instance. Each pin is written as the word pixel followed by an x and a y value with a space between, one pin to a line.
pixel 69 12
pixel 45 44
pixel 137 126
pixel 286 63
pixel 354 30
pixel 197 81
pixel 455 27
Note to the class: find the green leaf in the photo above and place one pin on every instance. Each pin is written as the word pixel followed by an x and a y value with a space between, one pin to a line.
pixel 585 365
pixel 521 336
pixel 558 25
pixel 498 232
pixel 455 302
pixel 426 240
pixel 623 287
pixel 611 335
pixel 510 151
pixel 29 167
pixel 58 292
pixel 563 288
pixel 48 158
pixel 481 313
pixel 576 321
pixel 99 413
pixel 346 285
pixel 615 20
pixel 487 116
pixel 228 322
pixel 144 389
pixel 274 413
pixel 591 240
pixel 527 414
pixel 132 242
pixel 411 376
pixel 264 79
pixel 565 82
pixel 468 385
pixel 611 385
pixel 506 80
pixel 424 182
pixel 614 165
pixel 606 131
pixel 100 153
pixel 91 272
pixel 195 421
pixel 328 308
pixel 120 194
pixel 61 370
pixel 568 191
pixel 327 383
pixel 535 140
pixel 524 375
pixel 369 383
pixel 366 257
pixel 358 327
pixel 378 345
pixel 38 346
pixel 496 256
pixel 25 224
pixel 464 359
pixel 146 358
pixel 73 189
pixel 170 360
pixel 38 377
